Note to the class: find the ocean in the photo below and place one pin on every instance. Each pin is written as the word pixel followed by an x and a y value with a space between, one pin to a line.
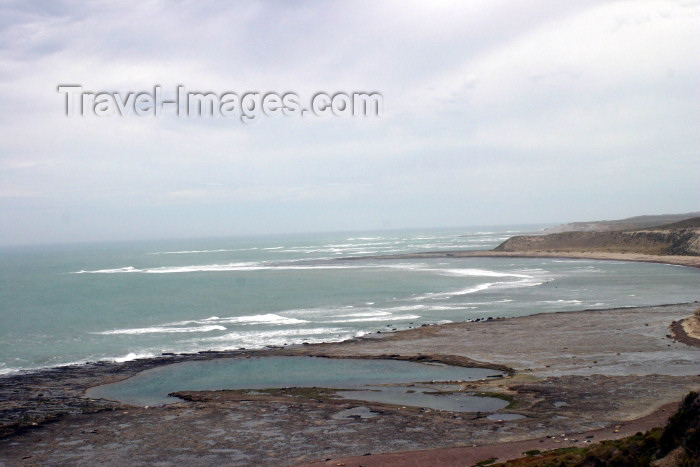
pixel 66 304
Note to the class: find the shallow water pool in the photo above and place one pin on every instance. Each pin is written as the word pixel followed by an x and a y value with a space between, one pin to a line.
pixel 427 398
pixel 151 387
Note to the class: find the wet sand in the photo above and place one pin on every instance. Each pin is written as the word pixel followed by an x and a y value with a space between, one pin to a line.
pixel 572 373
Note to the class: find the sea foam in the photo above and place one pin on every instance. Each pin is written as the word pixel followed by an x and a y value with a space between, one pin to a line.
pixel 267 318
pixel 243 266
pixel 163 329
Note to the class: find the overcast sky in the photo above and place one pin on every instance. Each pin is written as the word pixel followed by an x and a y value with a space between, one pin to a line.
pixel 495 112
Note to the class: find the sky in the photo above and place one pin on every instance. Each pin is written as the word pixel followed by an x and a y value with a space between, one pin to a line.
pixel 494 112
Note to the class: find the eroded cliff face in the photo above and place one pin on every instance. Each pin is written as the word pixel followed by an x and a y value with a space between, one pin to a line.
pixel 666 240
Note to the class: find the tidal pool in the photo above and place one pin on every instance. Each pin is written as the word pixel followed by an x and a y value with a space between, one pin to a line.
pixel 428 398
pixel 151 387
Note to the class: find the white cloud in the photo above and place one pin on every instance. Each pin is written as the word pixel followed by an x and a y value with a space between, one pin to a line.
pixel 484 100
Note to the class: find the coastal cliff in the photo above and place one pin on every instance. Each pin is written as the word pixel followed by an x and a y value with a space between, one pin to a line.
pixel 680 238
pixel 629 223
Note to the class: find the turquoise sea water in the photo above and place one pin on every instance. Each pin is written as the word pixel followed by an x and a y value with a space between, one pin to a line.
pixel 75 303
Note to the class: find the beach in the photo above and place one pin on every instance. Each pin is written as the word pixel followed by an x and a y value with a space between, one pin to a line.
pixel 679 260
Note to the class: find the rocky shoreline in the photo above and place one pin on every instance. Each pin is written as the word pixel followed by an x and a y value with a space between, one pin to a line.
pixel 570 372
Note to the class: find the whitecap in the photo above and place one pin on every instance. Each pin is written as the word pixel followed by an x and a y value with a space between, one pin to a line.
pixel 505 300
pixel 131 356
pixel 188 252
pixel 364 314
pixel 372 319
pixel 267 318
pixel 478 273
pixel 561 301
pixel 446 295
pixel 243 266
pixel 163 329
pixel 110 271
pixel 407 308
pixel 262 337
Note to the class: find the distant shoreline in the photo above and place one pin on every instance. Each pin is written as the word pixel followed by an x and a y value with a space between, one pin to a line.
pixel 676 260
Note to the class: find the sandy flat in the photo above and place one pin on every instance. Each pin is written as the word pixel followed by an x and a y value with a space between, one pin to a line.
pixel 691 325
pixel 625 341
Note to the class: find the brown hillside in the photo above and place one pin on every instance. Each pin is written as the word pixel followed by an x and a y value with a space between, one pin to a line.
pixel 630 223
pixel 681 238
pixel 693 223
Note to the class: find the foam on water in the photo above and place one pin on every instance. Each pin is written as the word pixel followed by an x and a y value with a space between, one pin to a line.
pixel 133 356
pixel 267 318
pixel 258 339
pixel 366 314
pixel 175 298
pixel 190 252
pixel 163 329
pixel 374 319
pixel 478 273
pixel 213 323
pixel 454 293
pixel 230 267
pixel 561 301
